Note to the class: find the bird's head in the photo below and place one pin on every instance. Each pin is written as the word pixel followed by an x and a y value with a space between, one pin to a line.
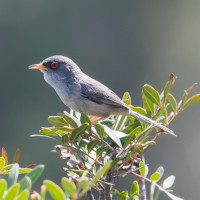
pixel 56 68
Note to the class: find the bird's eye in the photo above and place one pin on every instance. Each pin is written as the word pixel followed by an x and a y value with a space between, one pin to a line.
pixel 54 65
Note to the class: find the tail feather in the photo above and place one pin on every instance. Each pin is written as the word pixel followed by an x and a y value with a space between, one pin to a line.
pixel 150 121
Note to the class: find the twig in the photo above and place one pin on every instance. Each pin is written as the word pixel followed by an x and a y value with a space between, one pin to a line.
pixel 143 193
pixel 110 179
pixel 101 195
pixel 90 195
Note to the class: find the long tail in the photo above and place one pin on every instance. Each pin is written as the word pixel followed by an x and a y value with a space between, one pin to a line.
pixel 150 121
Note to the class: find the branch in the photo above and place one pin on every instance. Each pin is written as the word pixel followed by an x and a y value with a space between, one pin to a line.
pixel 90 195
pixel 109 180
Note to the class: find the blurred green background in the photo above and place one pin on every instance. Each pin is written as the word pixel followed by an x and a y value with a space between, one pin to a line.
pixel 123 44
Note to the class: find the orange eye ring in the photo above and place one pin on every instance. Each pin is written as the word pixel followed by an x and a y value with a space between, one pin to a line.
pixel 54 65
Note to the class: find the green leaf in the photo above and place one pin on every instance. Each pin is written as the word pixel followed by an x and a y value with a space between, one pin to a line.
pixel 149 143
pixel 113 135
pixel 21 171
pixel 129 139
pixel 77 132
pixel 168 87
pixel 47 131
pixel 121 120
pixel 148 105
pixel 100 130
pixel 2 163
pixel 69 187
pixel 3 187
pixel 139 110
pixel 126 98
pixel 191 101
pixel 7 167
pixel 139 149
pixel 123 195
pixel 100 151
pixel 13 175
pixel 142 169
pixel 82 184
pixel 92 145
pixel 135 189
pixel 100 173
pixel 152 94
pixel 55 191
pixel 25 183
pixel 172 103
pixel 12 192
pixel 155 177
pixel 23 195
pixel 71 119
pixel 57 121
pixel 85 119
pixel 35 173
pixel 168 182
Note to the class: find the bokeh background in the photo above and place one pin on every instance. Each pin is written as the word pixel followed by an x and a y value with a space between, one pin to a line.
pixel 123 44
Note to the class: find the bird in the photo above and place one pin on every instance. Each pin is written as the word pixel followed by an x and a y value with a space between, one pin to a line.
pixel 84 94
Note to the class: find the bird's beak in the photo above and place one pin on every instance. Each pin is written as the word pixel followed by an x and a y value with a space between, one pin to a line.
pixel 38 66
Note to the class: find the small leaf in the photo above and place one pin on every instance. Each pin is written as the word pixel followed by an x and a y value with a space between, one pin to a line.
pixel 57 121
pixel 83 183
pixel 13 175
pixel 12 192
pixel 126 98
pixel 155 177
pixel 25 183
pixel 160 170
pixel 121 120
pixel 139 149
pixel 168 87
pixel 129 139
pixel 100 173
pixel 4 154
pixel 23 196
pixel 168 182
pixel 47 131
pixel 21 171
pixel 35 173
pixel 143 169
pixel 71 119
pixel 86 119
pixel 135 189
pixel 100 130
pixel 172 196
pixel 123 195
pixel 69 187
pixel 2 163
pixel 139 110
pixel 100 151
pixel 149 143
pixel 3 187
pixel 16 156
pixel 77 132
pixel 113 135
pixel 191 101
pixel 152 94
pixel 148 105
pixel 92 145
pixel 172 103
pixel 55 191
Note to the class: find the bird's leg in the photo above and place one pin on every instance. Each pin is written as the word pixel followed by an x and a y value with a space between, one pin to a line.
pixel 96 119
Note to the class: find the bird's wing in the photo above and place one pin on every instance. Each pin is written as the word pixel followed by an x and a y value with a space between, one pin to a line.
pixel 99 93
